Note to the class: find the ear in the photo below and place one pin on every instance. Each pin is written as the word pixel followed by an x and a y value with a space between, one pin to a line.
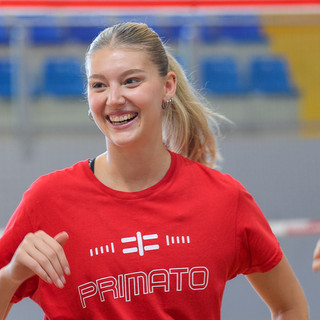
pixel 170 86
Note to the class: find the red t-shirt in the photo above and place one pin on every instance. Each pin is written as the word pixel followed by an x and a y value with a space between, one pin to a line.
pixel 162 253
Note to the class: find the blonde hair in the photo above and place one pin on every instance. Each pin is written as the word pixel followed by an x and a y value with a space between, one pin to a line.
pixel 186 124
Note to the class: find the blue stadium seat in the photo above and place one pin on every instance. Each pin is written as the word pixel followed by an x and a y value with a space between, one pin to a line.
pixel 168 33
pixel 243 34
pixel 4 33
pixel 242 29
pixel 5 78
pixel 210 34
pixel 83 34
pixel 47 35
pixel 220 76
pixel 270 75
pixel 238 29
pixel 63 77
pixel 83 29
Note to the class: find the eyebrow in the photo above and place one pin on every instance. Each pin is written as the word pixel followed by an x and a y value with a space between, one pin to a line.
pixel 124 74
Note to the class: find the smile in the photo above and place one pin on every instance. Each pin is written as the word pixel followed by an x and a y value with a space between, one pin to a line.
pixel 119 120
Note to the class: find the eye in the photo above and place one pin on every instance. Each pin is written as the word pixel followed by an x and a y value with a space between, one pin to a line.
pixel 96 85
pixel 131 82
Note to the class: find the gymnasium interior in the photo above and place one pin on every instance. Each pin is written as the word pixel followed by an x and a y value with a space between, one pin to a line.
pixel 257 63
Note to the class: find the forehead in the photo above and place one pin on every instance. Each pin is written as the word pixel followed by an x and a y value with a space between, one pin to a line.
pixel 118 58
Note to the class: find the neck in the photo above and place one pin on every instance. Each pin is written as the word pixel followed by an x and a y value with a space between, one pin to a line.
pixel 134 171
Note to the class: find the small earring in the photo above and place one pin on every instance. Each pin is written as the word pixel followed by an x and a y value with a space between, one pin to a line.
pixel 90 115
pixel 166 104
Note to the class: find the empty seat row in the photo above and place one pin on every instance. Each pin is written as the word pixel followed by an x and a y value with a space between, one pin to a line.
pixel 54 35
pixel 60 77
pixel 269 74
pixel 64 77
pixel 48 31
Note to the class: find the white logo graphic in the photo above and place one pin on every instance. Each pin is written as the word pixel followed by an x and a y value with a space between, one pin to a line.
pixel 141 244
pixel 140 248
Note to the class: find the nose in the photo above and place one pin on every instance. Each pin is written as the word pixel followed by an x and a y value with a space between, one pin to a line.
pixel 115 96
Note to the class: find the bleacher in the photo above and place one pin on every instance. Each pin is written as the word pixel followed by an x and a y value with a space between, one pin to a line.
pixel 61 74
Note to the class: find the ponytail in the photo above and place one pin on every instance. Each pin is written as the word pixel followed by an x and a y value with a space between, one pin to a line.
pixel 188 124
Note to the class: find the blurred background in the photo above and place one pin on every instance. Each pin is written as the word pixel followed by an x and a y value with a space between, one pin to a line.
pixel 257 64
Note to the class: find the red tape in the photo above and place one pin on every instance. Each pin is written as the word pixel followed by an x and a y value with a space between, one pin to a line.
pixel 152 3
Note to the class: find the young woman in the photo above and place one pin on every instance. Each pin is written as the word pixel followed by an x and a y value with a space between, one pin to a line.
pixel 146 230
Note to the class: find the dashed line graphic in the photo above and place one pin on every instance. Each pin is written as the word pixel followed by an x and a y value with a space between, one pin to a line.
pixel 102 250
pixel 171 240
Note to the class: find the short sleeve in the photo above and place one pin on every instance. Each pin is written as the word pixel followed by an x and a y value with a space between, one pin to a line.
pixel 258 250
pixel 18 226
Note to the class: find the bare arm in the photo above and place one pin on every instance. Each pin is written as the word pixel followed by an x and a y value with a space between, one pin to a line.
pixel 7 290
pixel 316 257
pixel 281 291
pixel 8 310
pixel 38 254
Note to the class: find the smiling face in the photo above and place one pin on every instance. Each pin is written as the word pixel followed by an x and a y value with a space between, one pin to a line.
pixel 125 92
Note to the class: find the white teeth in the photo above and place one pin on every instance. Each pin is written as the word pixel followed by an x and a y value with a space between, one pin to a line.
pixel 117 119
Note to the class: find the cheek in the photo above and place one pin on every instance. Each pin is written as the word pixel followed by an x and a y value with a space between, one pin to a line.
pixel 89 98
pixel 150 97
pixel 95 102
